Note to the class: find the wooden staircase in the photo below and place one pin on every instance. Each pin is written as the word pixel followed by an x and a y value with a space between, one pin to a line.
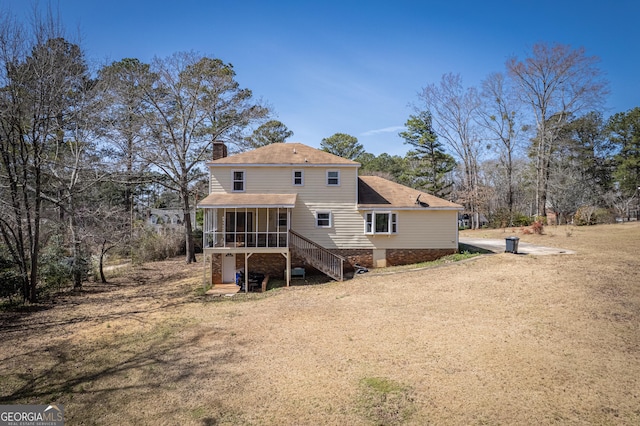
pixel 317 256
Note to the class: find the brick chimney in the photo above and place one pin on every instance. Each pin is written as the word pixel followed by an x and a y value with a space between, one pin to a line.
pixel 219 150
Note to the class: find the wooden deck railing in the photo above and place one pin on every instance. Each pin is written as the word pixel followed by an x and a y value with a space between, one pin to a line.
pixel 319 257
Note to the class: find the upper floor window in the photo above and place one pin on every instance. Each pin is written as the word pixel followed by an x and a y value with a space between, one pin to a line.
pixel 323 219
pixel 333 177
pixel 298 177
pixel 238 180
pixel 380 223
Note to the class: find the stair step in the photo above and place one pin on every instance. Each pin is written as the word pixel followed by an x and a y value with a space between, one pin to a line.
pixel 316 263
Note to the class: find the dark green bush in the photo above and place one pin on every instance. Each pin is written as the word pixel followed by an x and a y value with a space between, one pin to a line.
pixel 55 270
pixel 10 280
pixel 501 219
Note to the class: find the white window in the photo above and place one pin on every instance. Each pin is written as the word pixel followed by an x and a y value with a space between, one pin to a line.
pixel 238 180
pixel 323 219
pixel 333 177
pixel 298 177
pixel 282 221
pixel 380 223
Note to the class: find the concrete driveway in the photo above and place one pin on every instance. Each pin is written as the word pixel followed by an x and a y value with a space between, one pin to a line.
pixel 499 246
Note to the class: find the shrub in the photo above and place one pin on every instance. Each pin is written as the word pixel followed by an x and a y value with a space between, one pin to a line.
pixel 538 227
pixel 501 219
pixel 521 220
pixel 152 246
pixel 10 280
pixel 541 219
pixel 590 215
pixel 58 267
pixel 55 269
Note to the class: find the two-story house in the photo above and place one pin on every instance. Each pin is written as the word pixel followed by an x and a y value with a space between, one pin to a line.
pixel 290 204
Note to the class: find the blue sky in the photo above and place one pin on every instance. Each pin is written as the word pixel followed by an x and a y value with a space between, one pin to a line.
pixel 356 66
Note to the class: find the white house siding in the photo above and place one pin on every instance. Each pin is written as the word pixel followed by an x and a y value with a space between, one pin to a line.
pixel 279 180
pixel 416 229
pixel 431 229
pixel 347 223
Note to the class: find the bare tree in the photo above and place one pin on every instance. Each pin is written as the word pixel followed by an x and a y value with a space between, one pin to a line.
pixel 105 227
pixel 192 102
pixel 499 117
pixel 454 110
pixel 120 90
pixel 19 224
pixel 72 165
pixel 556 81
pixel 40 77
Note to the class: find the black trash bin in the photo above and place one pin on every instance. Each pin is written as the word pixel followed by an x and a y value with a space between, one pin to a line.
pixel 512 245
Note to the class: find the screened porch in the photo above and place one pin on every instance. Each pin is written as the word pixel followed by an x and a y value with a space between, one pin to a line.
pixel 254 220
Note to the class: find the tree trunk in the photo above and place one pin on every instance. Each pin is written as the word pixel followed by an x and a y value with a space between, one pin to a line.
pixel 188 227
pixel 103 252
pixel 35 241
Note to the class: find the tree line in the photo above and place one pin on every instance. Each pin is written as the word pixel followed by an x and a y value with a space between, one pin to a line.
pixel 529 142
pixel 85 152
pixel 80 149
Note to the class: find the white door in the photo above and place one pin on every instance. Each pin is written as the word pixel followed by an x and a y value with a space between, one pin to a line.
pixel 229 268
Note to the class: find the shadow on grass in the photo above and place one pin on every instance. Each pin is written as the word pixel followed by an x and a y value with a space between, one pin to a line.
pixel 102 376
pixel 122 297
pixel 472 249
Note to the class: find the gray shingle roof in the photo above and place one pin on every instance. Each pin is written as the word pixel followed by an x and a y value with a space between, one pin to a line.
pixel 377 192
pixel 284 153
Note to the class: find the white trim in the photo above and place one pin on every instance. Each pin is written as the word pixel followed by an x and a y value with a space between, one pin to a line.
pixel 318 212
pixel 337 177
pixel 293 177
pixel 233 180
pixel 372 224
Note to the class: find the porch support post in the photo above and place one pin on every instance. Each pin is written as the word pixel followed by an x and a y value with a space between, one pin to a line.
pixel 204 270
pixel 246 272
pixel 288 256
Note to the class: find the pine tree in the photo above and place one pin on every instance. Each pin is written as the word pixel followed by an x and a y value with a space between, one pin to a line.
pixel 431 165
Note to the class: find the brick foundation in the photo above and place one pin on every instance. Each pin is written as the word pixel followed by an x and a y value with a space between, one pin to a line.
pixel 274 264
pixel 396 257
pixel 216 268
pixel 362 257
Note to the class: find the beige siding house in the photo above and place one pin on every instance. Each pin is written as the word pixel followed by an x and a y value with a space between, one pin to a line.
pixel 288 205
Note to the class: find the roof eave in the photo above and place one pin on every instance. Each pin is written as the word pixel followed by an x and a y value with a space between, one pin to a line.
pixel 247 206
pixel 392 207
pixel 336 165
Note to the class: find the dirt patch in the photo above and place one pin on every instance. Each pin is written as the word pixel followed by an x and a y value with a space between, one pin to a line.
pixel 501 339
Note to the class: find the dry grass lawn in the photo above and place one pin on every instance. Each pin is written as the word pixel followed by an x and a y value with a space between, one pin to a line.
pixel 500 339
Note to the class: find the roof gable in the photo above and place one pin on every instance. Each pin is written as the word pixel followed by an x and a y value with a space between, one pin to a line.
pixel 377 192
pixel 285 153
